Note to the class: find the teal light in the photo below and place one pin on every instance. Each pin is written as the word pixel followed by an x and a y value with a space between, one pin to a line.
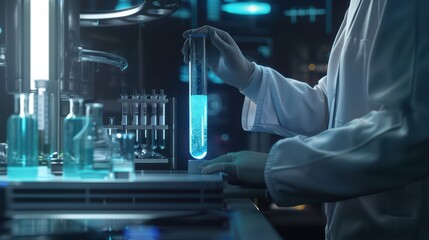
pixel 311 12
pixel 123 4
pixel 211 76
pixel 182 13
pixel 213 10
pixel 247 8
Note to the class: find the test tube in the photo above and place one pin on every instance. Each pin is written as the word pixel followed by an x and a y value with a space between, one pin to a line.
pixel 124 111
pixel 154 120
pixel 143 119
pixel 197 96
pixel 41 109
pixel 135 120
pixel 111 130
pixel 162 96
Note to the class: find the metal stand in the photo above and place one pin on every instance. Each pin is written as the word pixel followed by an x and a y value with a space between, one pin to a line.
pixel 152 131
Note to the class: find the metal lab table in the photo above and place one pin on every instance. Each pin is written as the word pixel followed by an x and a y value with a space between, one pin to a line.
pixel 204 219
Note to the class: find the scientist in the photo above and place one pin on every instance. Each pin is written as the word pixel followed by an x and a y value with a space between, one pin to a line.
pixel 358 140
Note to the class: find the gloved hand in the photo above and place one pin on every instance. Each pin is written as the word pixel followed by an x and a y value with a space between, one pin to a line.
pixel 244 167
pixel 224 57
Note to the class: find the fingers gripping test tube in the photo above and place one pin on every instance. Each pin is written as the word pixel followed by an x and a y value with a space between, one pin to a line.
pixel 197 96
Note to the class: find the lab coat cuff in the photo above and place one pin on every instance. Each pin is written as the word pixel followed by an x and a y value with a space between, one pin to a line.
pixel 269 181
pixel 251 112
pixel 252 87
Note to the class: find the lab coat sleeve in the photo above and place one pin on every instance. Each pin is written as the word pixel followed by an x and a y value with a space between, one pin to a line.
pixel 280 101
pixel 380 151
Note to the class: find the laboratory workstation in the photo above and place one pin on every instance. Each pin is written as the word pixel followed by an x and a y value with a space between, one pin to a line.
pixel 153 119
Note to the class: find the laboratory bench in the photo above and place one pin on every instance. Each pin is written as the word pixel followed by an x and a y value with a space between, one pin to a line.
pixel 291 223
pixel 154 205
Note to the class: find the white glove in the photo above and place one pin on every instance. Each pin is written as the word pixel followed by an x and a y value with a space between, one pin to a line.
pixel 244 167
pixel 224 57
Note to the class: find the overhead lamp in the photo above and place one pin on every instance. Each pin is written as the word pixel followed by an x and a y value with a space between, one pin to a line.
pixel 247 8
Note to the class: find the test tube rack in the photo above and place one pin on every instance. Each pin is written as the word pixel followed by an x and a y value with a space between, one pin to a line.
pixel 147 114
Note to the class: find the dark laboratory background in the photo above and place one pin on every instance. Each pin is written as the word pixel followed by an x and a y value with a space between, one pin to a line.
pixel 294 38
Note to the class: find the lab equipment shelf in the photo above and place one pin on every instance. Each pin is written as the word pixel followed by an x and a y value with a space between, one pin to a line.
pixel 148 192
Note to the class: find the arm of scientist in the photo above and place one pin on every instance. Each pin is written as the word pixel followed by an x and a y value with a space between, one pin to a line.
pixel 289 107
pixel 284 100
pixel 382 150
pixel 300 100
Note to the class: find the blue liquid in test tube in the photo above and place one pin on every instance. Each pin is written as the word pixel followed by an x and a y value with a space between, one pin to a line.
pixel 197 96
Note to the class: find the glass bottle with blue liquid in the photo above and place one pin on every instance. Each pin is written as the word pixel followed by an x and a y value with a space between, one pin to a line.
pixel 197 101
pixel 22 140
pixel 93 145
pixel 73 124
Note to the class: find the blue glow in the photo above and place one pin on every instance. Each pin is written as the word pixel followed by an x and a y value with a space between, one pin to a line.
pixel 311 12
pixel 198 126
pixel 214 104
pixel 182 13
pixel 247 8
pixel 225 137
pixel 265 51
pixel 184 75
pixel 213 10
pixel 3 184
pixel 123 4
pixel 213 77
pixel 1 30
pixel 141 232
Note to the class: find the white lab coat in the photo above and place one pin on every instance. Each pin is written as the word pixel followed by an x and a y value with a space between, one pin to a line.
pixel 359 140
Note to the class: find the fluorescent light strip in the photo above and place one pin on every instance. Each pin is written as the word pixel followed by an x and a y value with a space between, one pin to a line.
pixel 39 45
pixel 247 8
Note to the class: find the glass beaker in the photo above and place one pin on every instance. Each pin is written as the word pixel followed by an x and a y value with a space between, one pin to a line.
pixel 93 145
pixel 197 96
pixel 3 158
pixel 22 140
pixel 123 155
pixel 73 124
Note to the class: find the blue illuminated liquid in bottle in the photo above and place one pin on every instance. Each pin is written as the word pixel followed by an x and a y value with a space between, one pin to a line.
pixel 72 126
pixel 22 139
pixel 198 126
pixel 92 145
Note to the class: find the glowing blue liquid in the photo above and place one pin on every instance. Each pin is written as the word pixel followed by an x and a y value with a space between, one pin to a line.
pixel 96 162
pixel 22 173
pixel 198 126
pixel 72 126
pixel 22 138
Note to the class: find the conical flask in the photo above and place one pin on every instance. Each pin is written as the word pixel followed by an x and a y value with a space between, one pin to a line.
pixel 93 145
pixel 22 139
pixel 73 124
